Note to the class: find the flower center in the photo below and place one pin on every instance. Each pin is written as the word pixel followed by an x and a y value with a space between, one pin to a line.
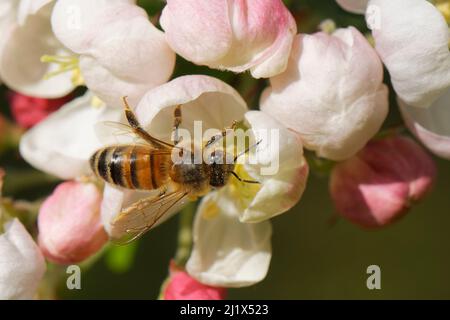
pixel 243 192
pixel 64 64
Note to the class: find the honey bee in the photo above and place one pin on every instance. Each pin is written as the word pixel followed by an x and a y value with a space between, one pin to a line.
pixel 149 167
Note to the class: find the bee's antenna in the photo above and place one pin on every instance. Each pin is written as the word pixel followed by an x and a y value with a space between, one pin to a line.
pixel 244 180
pixel 246 150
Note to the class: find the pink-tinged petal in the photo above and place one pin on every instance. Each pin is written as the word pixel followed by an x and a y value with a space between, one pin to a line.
pixel 22 265
pixel 430 125
pixel 226 252
pixel 354 6
pixel 182 286
pixel 331 94
pixel 411 38
pixel 22 47
pixel 203 98
pixel 70 228
pixel 379 185
pixel 235 35
pixel 185 22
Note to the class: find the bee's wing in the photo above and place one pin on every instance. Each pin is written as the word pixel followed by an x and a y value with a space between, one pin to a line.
pixel 117 133
pixel 144 214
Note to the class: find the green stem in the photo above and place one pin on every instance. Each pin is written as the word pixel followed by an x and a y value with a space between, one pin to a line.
pixel 185 239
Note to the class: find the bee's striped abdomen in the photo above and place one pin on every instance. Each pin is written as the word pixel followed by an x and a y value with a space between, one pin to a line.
pixel 132 167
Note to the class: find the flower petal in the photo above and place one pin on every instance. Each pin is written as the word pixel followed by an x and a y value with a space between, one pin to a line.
pixel 226 252
pixel 204 98
pixel 430 125
pixel 69 223
pixel 280 168
pixel 30 7
pixel 62 144
pixel 20 58
pixel 411 38
pixel 125 57
pixel 354 6
pixel 22 265
pixel 233 35
pixel 75 22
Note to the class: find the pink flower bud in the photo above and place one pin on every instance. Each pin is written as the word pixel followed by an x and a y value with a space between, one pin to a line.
pixel 29 111
pixel 379 184
pixel 182 286
pixel 236 35
pixel 70 229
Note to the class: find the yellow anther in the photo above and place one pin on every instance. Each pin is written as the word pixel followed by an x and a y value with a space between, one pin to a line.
pixel 64 64
pixel 96 102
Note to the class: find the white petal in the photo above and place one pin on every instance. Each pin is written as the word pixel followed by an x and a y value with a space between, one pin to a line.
pixel 127 56
pixel 20 57
pixel 116 199
pixel 204 98
pixel 62 144
pixel 280 168
pixel 30 7
pixel 431 125
pixel 354 6
pixel 21 263
pixel 412 37
pixel 76 22
pixel 112 72
pixel 226 252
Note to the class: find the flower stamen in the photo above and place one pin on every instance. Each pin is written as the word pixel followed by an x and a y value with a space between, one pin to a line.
pixel 64 64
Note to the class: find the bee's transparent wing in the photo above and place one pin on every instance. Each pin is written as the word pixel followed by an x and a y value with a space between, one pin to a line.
pixel 144 214
pixel 117 133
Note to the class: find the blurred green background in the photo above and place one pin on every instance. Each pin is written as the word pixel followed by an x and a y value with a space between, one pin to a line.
pixel 312 257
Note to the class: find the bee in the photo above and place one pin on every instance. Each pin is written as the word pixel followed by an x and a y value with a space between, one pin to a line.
pixel 149 167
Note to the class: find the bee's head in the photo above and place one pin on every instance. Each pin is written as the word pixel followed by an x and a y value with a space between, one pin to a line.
pixel 221 165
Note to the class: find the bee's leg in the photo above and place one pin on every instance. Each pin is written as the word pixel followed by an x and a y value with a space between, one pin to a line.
pixel 224 133
pixel 177 118
pixel 244 180
pixel 137 129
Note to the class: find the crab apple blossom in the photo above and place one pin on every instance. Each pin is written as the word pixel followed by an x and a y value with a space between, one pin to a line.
pixel 380 184
pixel 70 228
pixel 25 36
pixel 127 55
pixel 29 111
pixel 331 93
pixel 181 286
pixel 246 250
pixel 22 265
pixel 236 35
pixel 411 38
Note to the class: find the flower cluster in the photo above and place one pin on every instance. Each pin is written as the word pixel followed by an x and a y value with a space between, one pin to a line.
pixel 326 95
